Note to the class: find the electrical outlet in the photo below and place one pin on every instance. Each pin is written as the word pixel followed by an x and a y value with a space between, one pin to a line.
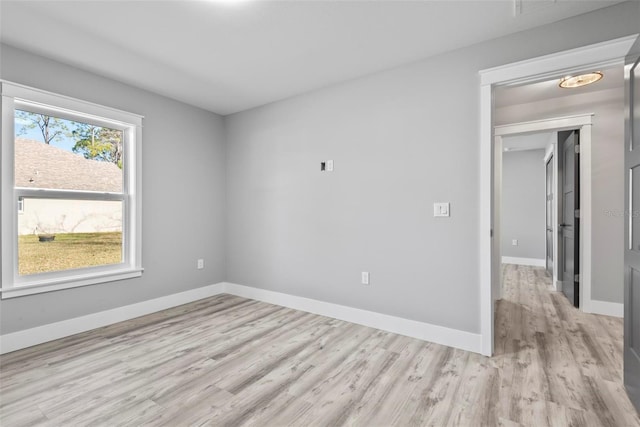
pixel 365 277
pixel 514 242
pixel 200 264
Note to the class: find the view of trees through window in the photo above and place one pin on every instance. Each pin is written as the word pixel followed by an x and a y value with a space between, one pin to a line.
pixel 93 142
pixel 76 219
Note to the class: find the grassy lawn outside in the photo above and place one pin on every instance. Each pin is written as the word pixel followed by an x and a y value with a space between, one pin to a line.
pixel 67 251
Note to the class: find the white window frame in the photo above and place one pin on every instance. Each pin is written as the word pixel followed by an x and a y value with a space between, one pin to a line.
pixel 16 96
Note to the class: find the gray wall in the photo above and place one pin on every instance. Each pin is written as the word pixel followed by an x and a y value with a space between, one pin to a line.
pixel 607 176
pixel 183 198
pixel 523 204
pixel 401 140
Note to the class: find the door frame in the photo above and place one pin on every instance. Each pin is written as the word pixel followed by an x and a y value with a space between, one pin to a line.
pixel 582 122
pixel 553 155
pixel 600 55
pixel 550 160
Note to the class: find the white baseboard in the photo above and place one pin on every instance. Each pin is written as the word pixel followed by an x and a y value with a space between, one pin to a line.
pixel 534 262
pixel 53 331
pixel 411 328
pixel 558 285
pixel 606 308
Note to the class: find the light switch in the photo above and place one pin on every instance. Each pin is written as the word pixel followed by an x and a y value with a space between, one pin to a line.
pixel 441 209
pixel 329 165
pixel 365 277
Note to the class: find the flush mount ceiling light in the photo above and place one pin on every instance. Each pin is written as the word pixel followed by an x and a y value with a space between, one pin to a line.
pixel 581 80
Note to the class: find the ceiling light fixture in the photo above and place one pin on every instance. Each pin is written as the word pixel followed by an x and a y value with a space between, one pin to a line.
pixel 581 80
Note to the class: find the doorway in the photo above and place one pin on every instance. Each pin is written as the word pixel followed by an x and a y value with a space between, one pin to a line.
pixel 533 70
pixel 568 242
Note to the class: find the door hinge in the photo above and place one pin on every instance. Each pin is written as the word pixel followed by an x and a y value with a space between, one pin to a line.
pixel 577 213
pixel 576 278
pixel 577 148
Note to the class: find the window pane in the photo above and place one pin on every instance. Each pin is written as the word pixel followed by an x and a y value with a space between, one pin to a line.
pixel 59 234
pixel 55 153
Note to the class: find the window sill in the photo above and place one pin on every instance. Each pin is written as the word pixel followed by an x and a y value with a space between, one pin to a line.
pixel 70 282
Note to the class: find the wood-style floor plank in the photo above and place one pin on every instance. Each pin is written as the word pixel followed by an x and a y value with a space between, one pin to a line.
pixel 230 361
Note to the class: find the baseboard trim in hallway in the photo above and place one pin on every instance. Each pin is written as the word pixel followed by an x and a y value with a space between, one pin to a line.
pixel 532 262
pixel 606 308
pixel 425 331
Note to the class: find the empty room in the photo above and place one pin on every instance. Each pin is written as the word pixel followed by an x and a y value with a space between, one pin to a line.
pixel 320 213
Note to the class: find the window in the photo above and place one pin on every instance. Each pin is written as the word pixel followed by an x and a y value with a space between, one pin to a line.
pixel 72 169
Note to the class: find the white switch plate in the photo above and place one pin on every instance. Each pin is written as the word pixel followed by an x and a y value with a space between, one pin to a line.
pixel 365 277
pixel 329 165
pixel 514 242
pixel 441 209
pixel 200 264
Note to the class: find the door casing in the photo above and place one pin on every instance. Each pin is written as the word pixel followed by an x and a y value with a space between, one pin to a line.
pixel 600 55
pixel 631 346
pixel 549 214
pixel 583 123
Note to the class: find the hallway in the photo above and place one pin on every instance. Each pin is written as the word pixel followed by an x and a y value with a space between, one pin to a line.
pixel 559 366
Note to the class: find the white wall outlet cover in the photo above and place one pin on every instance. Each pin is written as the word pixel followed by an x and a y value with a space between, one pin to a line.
pixel 441 209
pixel 365 277
pixel 514 242
pixel 200 264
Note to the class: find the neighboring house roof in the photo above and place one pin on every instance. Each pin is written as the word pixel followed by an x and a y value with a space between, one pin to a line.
pixel 39 165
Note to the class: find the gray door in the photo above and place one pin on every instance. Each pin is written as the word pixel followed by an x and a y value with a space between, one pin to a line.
pixel 549 216
pixel 569 247
pixel 632 230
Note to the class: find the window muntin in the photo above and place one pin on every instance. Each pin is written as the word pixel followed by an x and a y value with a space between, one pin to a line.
pixel 93 198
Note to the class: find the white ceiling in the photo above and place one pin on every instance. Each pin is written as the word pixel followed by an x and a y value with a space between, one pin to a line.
pixel 228 56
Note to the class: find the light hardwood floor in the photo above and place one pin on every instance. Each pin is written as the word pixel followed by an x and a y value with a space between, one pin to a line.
pixel 232 361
